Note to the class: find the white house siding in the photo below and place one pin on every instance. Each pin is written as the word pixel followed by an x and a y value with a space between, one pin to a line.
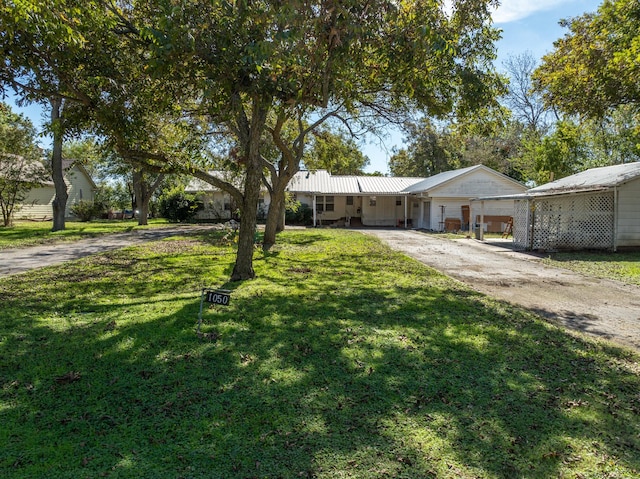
pixel 37 204
pixel 214 206
pixel 79 188
pixel 628 231
pixel 385 212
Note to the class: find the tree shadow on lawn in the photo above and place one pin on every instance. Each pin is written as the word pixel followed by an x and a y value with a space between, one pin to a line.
pixel 417 382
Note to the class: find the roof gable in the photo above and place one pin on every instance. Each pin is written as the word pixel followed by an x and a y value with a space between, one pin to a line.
pixel 449 177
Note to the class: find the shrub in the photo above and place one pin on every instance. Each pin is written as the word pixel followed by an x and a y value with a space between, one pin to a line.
pixel 86 210
pixel 299 214
pixel 178 206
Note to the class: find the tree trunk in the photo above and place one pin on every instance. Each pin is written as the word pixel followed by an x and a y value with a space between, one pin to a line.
pixel 274 215
pixel 143 192
pixel 243 268
pixel 57 173
pixel 282 216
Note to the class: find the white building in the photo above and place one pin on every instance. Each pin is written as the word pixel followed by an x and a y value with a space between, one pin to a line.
pixel 441 202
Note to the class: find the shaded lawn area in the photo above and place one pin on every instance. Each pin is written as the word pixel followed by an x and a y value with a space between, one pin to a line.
pixel 342 360
pixel 621 266
pixel 30 233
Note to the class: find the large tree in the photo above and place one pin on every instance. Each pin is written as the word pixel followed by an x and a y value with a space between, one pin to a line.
pixel 594 68
pixel 20 165
pixel 254 66
pixel 52 50
pixel 431 149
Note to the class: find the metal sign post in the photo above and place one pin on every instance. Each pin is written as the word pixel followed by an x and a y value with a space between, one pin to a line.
pixel 220 297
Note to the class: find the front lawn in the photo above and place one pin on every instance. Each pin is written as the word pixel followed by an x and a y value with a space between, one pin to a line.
pixel 31 233
pixel 621 266
pixel 343 359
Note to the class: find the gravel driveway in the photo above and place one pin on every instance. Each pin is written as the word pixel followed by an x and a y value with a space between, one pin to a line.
pixel 600 307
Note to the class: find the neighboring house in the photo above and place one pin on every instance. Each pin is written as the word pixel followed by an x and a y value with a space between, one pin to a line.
pixel 38 203
pixel 219 205
pixel 436 203
pixel 596 209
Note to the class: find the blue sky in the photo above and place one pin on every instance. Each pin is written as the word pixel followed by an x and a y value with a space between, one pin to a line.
pixel 527 25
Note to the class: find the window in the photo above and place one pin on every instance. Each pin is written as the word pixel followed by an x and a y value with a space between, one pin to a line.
pixel 372 201
pixel 349 200
pixel 324 203
pixel 329 203
pixel 398 200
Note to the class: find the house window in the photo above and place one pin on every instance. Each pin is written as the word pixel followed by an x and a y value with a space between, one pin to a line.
pixel 372 201
pixel 349 200
pixel 319 204
pixel 227 204
pixel 328 203
pixel 398 200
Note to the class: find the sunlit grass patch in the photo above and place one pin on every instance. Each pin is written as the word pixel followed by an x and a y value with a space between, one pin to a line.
pixel 341 359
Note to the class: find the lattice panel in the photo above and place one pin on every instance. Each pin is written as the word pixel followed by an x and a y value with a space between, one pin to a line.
pixel 521 224
pixel 573 222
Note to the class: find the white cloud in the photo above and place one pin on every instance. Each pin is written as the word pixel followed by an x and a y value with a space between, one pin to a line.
pixel 512 10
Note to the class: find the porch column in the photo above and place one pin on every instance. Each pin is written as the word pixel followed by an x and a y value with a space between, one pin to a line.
pixel 314 211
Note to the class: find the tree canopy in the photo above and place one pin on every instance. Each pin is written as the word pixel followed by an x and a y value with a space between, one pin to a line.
pixel 248 69
pixel 594 68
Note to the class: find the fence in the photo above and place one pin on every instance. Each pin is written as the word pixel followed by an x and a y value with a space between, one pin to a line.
pixel 566 222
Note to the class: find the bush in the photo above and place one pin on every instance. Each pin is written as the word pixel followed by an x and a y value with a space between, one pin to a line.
pixel 86 210
pixel 177 206
pixel 299 214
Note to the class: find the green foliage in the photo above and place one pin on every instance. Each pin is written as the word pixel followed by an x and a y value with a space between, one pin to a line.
pixel 594 68
pixel 20 166
pixel 561 153
pixel 342 359
pixel 431 150
pixel 178 206
pixel 113 196
pixel 87 210
pixel 298 213
pixel 336 153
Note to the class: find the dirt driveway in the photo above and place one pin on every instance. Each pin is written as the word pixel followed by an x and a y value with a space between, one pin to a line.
pixel 603 308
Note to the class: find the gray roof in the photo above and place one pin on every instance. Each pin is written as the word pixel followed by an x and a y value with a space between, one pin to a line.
pixel 590 180
pixel 323 182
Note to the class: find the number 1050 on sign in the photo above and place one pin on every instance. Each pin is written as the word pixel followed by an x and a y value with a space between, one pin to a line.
pixel 217 297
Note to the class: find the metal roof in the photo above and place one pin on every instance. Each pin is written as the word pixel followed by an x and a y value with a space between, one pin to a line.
pixel 323 182
pixel 592 179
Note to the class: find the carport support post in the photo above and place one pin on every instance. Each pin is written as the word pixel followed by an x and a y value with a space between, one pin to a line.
pixel 482 220
pixel 405 211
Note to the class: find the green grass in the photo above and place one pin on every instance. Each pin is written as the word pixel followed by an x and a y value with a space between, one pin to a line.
pixel 621 266
pixel 342 359
pixel 28 233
